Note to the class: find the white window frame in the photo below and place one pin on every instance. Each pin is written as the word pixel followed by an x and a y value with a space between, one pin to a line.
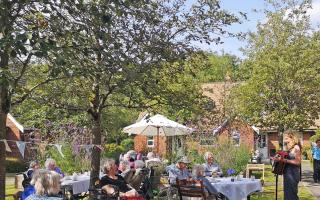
pixel 150 142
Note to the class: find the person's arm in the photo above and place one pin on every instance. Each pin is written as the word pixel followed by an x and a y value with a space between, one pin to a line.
pixel 297 160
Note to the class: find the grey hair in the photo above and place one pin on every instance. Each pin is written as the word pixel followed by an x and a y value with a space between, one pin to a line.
pixel 125 163
pixel 138 164
pixel 206 155
pixel 46 182
pixel 108 164
pixel 48 162
pixel 150 155
pixel 33 164
pixel 198 170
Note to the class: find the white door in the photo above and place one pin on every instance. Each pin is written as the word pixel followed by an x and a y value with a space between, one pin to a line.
pixel 262 145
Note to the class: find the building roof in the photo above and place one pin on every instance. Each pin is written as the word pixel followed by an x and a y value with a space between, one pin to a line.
pixel 15 122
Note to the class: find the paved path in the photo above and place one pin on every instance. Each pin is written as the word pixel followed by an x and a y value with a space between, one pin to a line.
pixel 10 179
pixel 307 179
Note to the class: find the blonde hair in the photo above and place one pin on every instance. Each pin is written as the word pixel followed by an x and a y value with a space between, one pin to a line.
pixel 108 164
pixel 293 135
pixel 50 162
pixel 46 182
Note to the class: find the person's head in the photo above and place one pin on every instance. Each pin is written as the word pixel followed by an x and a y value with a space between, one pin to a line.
pixel 126 157
pixel 110 167
pixel 198 170
pixel 318 142
pixel 182 162
pixel 50 164
pixel 290 139
pixel 34 165
pixel 208 156
pixel 124 165
pixel 138 164
pixel 46 182
pixel 150 155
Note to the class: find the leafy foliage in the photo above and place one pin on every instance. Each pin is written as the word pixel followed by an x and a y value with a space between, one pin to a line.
pixel 284 88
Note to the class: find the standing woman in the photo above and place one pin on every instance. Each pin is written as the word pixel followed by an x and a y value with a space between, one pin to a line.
pixel 291 175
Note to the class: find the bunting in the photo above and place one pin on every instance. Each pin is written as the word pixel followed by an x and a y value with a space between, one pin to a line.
pixel 7 146
pixel 21 146
pixel 59 148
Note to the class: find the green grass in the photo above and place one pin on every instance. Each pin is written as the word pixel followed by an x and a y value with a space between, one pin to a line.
pixel 270 188
pixel 10 190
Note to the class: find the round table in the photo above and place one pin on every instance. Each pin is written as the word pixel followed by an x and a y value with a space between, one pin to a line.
pixel 239 189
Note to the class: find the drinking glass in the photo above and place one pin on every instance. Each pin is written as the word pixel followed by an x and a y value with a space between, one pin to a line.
pixel 253 177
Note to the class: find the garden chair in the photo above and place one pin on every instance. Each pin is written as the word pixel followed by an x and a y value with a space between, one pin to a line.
pixel 156 169
pixel 192 188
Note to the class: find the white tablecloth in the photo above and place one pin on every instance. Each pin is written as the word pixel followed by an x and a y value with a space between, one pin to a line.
pixel 238 189
pixel 78 186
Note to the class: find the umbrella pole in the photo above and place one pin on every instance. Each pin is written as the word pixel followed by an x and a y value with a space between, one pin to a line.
pixel 158 140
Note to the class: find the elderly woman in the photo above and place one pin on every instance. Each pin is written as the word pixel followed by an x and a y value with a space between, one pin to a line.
pixel 46 184
pixel 179 170
pixel 198 174
pixel 210 167
pixel 51 165
pixel 34 165
pixel 113 179
pixel 125 171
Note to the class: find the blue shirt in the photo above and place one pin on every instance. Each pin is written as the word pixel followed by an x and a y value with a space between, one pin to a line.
pixel 210 168
pixel 316 153
pixel 38 197
pixel 175 172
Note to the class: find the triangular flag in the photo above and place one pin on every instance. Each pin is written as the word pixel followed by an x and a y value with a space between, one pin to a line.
pixel 21 146
pixel 88 148
pixel 7 146
pixel 59 146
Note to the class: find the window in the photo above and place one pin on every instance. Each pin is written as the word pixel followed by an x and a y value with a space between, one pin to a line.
pixel 236 137
pixel 150 141
pixel 262 141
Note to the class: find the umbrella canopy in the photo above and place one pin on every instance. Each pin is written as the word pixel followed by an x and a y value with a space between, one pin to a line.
pixel 157 125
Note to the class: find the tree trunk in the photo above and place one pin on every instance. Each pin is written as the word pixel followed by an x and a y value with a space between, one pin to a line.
pixel 95 156
pixel 3 130
pixel 95 113
pixel 4 109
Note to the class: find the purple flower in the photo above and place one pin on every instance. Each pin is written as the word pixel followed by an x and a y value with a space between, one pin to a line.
pixel 231 172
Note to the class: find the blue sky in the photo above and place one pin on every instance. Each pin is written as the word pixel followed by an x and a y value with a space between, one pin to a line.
pixel 232 45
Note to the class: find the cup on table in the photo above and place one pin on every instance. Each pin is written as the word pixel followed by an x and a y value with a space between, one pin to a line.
pixel 252 177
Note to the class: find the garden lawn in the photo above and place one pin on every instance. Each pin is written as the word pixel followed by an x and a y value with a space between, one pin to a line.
pixel 270 188
pixel 10 190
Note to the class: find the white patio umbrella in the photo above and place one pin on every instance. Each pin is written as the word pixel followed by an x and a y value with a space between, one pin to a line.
pixel 157 125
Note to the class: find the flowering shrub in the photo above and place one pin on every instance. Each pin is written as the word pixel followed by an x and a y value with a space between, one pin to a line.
pixel 230 172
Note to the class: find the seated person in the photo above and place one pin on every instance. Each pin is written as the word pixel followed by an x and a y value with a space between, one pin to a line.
pixel 46 184
pixel 125 171
pixel 198 172
pixel 113 179
pixel 138 176
pixel 211 168
pixel 151 157
pixel 32 167
pixel 179 170
pixel 51 165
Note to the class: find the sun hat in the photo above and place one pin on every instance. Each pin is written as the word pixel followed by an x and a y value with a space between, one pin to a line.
pixel 184 159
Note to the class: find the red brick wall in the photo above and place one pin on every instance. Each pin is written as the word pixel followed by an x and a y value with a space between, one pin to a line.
pixel 13 133
pixel 246 133
pixel 140 144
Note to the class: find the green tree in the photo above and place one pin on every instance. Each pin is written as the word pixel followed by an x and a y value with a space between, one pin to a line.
pixel 283 90
pixel 123 51
pixel 26 37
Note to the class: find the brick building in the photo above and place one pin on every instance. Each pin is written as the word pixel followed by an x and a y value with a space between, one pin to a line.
pixel 14 133
pixel 266 140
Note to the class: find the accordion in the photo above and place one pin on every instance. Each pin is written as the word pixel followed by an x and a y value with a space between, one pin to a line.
pixel 278 167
